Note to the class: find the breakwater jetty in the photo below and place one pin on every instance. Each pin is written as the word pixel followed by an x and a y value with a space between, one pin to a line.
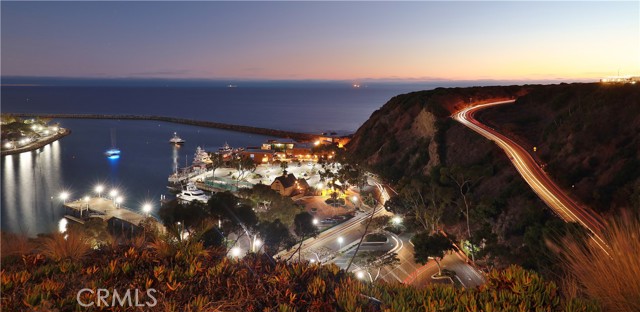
pixel 298 136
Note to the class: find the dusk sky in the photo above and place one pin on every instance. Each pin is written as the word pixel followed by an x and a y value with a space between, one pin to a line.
pixel 312 40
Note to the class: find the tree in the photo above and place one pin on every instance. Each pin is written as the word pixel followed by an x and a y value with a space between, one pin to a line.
pixel 284 165
pixel 275 235
pixel 217 161
pixel 464 180
pixel 370 201
pixel 375 261
pixel 431 246
pixel 243 165
pixel 303 227
pixel 188 215
pixel 274 205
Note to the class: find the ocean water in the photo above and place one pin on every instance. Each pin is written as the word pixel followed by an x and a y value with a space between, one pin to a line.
pixel 31 182
pixel 301 108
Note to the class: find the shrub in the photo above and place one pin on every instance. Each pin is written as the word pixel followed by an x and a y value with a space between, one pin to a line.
pixel 610 275
pixel 65 246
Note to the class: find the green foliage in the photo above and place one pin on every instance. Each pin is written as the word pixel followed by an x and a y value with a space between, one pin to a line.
pixel 275 235
pixel 188 276
pixel 430 246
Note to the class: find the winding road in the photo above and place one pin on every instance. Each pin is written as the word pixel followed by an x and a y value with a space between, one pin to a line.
pixel 561 203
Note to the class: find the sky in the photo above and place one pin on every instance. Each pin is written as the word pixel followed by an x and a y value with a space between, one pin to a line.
pixel 321 40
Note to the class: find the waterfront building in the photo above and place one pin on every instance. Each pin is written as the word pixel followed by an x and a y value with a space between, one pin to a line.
pixel 288 184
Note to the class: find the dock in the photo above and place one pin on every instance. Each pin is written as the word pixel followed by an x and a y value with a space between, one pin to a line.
pixel 104 208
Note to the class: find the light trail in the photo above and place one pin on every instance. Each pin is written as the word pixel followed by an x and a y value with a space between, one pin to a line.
pixel 566 208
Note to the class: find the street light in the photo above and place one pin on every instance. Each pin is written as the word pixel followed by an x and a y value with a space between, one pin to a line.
pixel 397 220
pixel 113 193
pixel 119 201
pixel 360 274
pixel 315 221
pixel 64 196
pixel 235 252
pixel 340 241
pixel 146 208
pixel 99 189
pixel 86 201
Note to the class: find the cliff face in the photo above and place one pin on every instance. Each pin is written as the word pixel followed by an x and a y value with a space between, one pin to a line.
pixel 587 134
pixel 408 135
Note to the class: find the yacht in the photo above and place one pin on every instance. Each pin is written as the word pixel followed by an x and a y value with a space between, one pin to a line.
pixel 176 139
pixel 201 158
pixel 191 193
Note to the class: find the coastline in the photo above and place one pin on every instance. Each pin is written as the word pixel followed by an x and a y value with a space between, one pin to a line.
pixel 298 136
pixel 64 132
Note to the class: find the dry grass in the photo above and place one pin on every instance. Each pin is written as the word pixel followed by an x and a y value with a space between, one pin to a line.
pixel 65 246
pixel 14 245
pixel 613 280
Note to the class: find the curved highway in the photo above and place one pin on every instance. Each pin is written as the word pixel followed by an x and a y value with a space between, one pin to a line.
pixel 534 175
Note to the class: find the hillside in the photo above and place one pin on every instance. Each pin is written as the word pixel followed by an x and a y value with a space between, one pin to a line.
pixel 587 134
pixel 412 141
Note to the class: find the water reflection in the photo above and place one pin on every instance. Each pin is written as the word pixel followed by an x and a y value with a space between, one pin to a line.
pixel 28 182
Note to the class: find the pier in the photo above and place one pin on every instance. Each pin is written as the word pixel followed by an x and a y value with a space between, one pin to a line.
pixel 114 214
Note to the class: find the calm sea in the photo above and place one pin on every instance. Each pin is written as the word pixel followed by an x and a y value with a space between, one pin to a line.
pixel 32 181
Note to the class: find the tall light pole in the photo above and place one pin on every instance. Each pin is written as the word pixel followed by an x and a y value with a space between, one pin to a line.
pixel 113 193
pixel 340 241
pixel 99 188
pixel 119 201
pixel 86 201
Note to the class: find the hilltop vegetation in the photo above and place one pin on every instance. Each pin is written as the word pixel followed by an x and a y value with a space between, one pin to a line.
pixel 587 134
pixel 449 177
pixel 189 277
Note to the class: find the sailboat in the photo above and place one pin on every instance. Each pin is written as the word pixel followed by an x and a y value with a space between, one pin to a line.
pixel 113 152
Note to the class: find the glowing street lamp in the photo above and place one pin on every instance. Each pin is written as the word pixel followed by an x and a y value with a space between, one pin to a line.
pixel 397 220
pixel 315 221
pixel 119 201
pixel 235 252
pixel 340 241
pixel 113 193
pixel 86 201
pixel 99 188
pixel 64 196
pixel 360 274
pixel 146 208
pixel 256 244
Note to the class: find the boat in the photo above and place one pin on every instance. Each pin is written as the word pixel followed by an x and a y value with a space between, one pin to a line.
pixel 176 139
pixel 192 193
pixel 113 152
pixel 201 158
pixel 226 151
